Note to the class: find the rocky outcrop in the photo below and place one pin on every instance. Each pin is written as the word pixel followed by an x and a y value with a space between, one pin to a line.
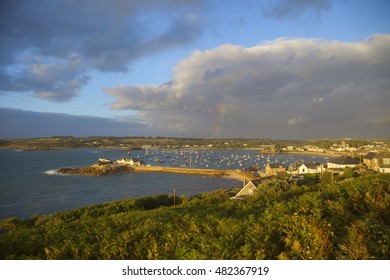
pixel 95 170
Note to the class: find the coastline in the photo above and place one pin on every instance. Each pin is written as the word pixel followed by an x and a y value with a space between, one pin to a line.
pixel 326 154
pixel 239 175
pixel 33 149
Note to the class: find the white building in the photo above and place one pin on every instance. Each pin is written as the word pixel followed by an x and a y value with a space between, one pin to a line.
pixel 130 161
pixel 310 168
pixel 248 189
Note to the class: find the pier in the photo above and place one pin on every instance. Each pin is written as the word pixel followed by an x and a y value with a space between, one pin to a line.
pixel 233 174
pixel 107 169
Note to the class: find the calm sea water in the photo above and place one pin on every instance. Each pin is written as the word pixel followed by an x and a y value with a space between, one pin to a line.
pixel 29 184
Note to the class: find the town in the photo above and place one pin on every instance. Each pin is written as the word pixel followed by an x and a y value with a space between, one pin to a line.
pixel 341 153
pixel 341 158
pixel 373 155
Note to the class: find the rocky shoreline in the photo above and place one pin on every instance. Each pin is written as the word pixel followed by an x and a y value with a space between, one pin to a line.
pixel 96 170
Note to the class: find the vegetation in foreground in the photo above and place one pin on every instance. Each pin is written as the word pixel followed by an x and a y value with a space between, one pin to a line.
pixel 316 219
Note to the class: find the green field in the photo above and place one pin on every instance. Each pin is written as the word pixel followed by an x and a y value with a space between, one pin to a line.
pixel 347 219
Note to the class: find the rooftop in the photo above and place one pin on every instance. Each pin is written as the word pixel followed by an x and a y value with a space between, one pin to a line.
pixel 344 160
pixel 370 155
pixel 310 165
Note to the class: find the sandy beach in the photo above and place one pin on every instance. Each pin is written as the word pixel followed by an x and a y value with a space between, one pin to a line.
pixel 326 154
pixel 239 175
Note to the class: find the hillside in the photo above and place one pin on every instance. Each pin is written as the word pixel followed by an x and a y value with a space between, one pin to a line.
pixel 348 219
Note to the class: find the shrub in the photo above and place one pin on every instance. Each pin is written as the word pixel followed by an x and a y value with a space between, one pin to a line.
pixel 153 202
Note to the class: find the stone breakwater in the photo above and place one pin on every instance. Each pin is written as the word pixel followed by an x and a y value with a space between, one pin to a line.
pixel 96 170
pixel 231 174
pixel 181 170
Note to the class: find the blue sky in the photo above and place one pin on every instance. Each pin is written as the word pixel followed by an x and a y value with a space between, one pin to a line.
pixel 264 69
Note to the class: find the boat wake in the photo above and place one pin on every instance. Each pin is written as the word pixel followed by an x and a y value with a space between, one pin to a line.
pixel 52 172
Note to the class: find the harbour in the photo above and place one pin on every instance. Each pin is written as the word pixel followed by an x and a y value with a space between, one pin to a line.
pixel 232 174
pixel 30 183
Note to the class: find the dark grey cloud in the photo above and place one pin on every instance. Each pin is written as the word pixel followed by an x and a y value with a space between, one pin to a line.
pixel 53 82
pixel 283 88
pixel 104 35
pixel 20 123
pixel 295 8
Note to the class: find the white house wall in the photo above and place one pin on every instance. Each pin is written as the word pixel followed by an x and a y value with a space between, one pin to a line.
pixel 340 166
pixel 304 170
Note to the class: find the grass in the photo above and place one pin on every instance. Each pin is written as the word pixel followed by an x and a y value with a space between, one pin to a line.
pixel 348 219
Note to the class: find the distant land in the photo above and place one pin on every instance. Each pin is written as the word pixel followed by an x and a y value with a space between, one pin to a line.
pixel 329 146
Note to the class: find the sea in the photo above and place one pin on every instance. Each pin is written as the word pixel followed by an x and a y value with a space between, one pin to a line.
pixel 30 184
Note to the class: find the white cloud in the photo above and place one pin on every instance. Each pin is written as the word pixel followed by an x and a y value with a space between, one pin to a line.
pixel 260 89
pixel 318 100
pixel 57 80
pixel 296 120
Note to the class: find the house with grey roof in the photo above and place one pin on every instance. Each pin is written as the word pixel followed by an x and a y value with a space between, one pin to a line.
pixel 343 162
pixel 248 188
pixel 274 169
pixel 368 159
pixel 381 162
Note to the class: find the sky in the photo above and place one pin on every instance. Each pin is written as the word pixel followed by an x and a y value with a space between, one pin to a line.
pixel 281 69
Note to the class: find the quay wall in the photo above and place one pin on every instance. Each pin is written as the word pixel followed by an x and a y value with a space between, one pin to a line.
pixel 234 174
pixel 180 170
pixel 98 170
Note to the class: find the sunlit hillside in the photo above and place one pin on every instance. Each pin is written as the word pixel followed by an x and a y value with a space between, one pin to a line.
pixel 315 219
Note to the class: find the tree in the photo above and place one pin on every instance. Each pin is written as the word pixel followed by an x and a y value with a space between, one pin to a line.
pixel 348 173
